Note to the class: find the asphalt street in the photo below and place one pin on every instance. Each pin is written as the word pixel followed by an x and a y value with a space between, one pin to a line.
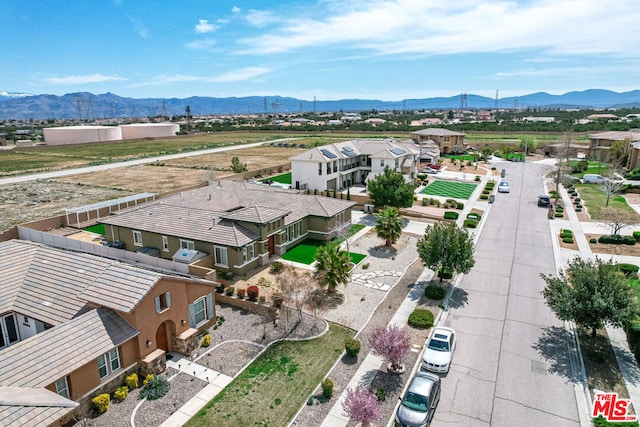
pixel 512 365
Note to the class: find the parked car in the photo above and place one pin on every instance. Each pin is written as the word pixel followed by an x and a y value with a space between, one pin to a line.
pixel 434 166
pixel 592 178
pixel 439 350
pixel 431 170
pixel 544 201
pixel 503 187
pixel 418 405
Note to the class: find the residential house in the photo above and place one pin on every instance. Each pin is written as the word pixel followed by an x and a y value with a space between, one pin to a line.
pixel 74 324
pixel 600 144
pixel 343 164
pixel 239 225
pixel 449 142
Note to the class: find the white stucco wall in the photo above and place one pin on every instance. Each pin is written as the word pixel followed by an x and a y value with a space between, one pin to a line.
pixel 81 134
pixel 149 130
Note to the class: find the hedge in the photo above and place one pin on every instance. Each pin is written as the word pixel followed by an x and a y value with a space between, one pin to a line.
pixel 484 196
pixel 629 269
pixel 636 235
pixel 617 239
pixel 470 223
pixel 421 318
pixel 450 215
pixel 434 292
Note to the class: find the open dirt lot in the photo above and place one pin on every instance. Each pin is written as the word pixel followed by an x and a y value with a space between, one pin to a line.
pixel 35 200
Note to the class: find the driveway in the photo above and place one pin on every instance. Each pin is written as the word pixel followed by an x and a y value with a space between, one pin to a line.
pixel 512 365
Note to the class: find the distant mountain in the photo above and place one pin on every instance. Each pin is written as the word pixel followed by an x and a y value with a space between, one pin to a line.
pixel 84 104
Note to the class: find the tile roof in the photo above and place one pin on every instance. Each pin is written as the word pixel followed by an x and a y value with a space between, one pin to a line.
pixel 50 355
pixel 616 135
pixel 207 214
pixel 31 415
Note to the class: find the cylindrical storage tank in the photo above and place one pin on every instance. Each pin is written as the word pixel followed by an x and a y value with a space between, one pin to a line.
pixel 81 134
pixel 149 130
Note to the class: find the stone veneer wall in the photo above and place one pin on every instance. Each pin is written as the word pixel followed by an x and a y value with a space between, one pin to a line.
pixel 186 345
pixel 153 367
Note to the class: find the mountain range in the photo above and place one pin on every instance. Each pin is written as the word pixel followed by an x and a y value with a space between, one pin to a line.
pixel 22 106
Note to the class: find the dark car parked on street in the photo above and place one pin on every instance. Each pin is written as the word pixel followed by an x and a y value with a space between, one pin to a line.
pixel 544 201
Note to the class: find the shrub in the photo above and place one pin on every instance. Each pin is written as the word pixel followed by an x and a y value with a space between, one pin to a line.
pixel 484 196
pixel 450 203
pixel 262 299
pixel 276 267
pixel 381 395
pixel 577 199
pixel 206 340
pixel 579 209
pixel 485 191
pixel 628 240
pixel 352 347
pixel 559 214
pixel 121 393
pixel 470 223
pixel 445 274
pixel 477 178
pixel 148 378
pixel 252 292
pixel 230 290
pixel 154 389
pixel 593 240
pixel 425 202
pixel 636 235
pixel 131 381
pixel 474 215
pixel 629 270
pixel 434 292
pixel 365 266
pixel 459 206
pixel 559 209
pixel 101 403
pixel 567 239
pixel 450 215
pixel 241 292
pixel 327 388
pixel 421 318
pixel 415 197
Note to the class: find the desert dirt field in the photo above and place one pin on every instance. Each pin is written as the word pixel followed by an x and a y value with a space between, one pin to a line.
pixel 33 200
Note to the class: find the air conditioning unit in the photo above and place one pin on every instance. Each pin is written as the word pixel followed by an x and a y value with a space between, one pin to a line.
pixel 368 208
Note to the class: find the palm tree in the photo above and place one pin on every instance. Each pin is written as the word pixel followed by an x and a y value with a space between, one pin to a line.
pixel 389 225
pixel 332 267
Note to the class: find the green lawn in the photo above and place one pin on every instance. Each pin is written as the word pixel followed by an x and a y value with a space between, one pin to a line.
pixel 595 198
pixel 305 253
pixel 458 157
pixel 454 190
pixel 270 391
pixel 285 178
pixel 98 229
pixel 593 167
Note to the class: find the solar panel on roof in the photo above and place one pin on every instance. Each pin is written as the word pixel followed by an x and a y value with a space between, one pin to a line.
pixel 328 153
pixel 397 151
pixel 347 148
pixel 349 153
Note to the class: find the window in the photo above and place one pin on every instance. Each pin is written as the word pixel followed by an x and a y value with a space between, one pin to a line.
pixel 319 168
pixel 251 253
pixel 382 162
pixel 108 363
pixel 8 331
pixel 163 302
pixel 244 254
pixel 165 243
pixel 137 238
pixel 187 244
pixel 221 256
pixel 200 314
pixel 62 387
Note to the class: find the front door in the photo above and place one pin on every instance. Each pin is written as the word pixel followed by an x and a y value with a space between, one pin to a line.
pixel 161 337
pixel 272 244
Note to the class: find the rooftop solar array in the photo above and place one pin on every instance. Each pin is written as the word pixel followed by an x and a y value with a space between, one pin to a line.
pixel 398 151
pixel 328 154
pixel 349 153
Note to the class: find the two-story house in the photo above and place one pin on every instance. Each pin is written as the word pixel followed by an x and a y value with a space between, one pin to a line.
pixel 339 166
pixel 449 142
pixel 74 325
pixel 600 143
pixel 238 224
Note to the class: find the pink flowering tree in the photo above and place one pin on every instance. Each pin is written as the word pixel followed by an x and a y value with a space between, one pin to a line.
pixel 391 343
pixel 362 405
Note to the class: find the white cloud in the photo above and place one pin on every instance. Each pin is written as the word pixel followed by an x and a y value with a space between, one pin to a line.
pixel 391 27
pixel 260 18
pixel 236 9
pixel 201 44
pixel 77 80
pixel 242 74
pixel 204 26
pixel 140 28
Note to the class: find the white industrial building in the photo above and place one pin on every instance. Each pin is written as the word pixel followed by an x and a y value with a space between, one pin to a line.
pixel 81 134
pixel 85 133
pixel 149 130
pixel 343 164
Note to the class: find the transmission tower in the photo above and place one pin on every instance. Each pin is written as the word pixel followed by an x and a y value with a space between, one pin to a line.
pixel 314 105
pixel 515 104
pixel 495 104
pixel 163 111
pixel 300 107
pixel 266 111
pixel 274 107
pixel 463 102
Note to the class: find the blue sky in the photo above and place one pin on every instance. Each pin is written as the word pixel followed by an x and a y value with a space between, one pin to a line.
pixel 374 49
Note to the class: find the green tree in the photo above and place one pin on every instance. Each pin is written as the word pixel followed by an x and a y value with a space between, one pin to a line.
pixel 390 189
pixel 389 225
pixel 591 293
pixel 236 166
pixel 445 246
pixel 486 152
pixel 332 267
